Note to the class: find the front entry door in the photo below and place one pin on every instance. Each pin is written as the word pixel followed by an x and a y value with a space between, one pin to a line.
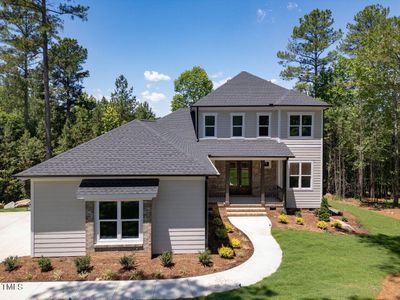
pixel 240 177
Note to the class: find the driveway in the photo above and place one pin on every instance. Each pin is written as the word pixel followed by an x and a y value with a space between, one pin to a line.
pixel 265 260
pixel 15 234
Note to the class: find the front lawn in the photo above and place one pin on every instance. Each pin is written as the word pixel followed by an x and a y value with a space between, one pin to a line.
pixel 14 209
pixel 327 266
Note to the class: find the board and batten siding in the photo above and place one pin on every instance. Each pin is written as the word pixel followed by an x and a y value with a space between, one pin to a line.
pixel 224 122
pixel 179 217
pixel 58 223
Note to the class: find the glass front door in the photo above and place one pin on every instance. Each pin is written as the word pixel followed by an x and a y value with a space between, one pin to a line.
pixel 240 177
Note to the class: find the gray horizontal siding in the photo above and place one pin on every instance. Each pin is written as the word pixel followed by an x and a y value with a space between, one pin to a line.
pixel 307 198
pixel 178 217
pixel 58 224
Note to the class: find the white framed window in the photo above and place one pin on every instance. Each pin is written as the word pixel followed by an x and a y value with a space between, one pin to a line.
pixel 267 164
pixel 263 124
pixel 119 222
pixel 210 125
pixel 301 125
pixel 237 125
pixel 300 175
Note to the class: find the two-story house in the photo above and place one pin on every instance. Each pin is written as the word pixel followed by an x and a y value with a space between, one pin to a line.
pixel 147 184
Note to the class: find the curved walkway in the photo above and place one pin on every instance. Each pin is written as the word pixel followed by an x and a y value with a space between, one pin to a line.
pixel 264 261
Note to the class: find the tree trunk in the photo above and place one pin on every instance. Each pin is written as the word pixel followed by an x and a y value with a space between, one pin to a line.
pixel 396 153
pixel 46 82
pixel 372 180
pixel 26 94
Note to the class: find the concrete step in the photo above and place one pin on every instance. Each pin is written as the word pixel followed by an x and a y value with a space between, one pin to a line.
pixel 245 209
pixel 246 213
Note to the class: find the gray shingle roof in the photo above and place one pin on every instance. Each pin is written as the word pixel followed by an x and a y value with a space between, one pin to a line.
pixel 104 187
pixel 246 89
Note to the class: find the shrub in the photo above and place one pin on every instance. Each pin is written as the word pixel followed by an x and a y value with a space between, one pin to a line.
pixel 45 264
pixel 107 275
pixel 344 219
pixel 226 252
pixel 323 212
pixel 83 276
pixel 217 221
pixel 235 243
pixel 136 275
pixel 215 212
pixel 28 277
pixel 282 218
pixel 128 262
pixel 167 259
pixel 158 274
pixel 11 263
pixel 82 264
pixel 298 213
pixel 205 258
pixel 58 274
pixel 228 227
pixel 221 233
pixel 322 225
pixel 336 224
pixel 282 212
pixel 299 221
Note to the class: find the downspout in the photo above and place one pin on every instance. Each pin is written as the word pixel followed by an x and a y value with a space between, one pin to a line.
pixel 284 181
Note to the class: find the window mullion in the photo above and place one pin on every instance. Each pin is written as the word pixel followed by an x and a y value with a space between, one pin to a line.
pixel 119 224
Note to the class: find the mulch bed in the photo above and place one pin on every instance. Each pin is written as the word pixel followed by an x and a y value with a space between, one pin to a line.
pixel 185 265
pixel 310 222
pixel 390 288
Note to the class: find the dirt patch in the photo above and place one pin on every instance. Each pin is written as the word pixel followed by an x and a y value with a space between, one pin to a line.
pixel 185 265
pixel 390 288
pixel 378 206
pixel 310 222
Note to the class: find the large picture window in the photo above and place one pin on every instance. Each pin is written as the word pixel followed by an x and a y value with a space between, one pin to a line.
pixel 237 125
pixel 210 125
pixel 300 125
pixel 119 221
pixel 263 124
pixel 300 175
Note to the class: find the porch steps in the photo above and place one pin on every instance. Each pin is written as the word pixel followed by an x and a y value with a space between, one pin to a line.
pixel 246 210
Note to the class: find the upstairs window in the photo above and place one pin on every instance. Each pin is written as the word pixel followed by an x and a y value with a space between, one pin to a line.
pixel 263 124
pixel 300 125
pixel 237 125
pixel 209 125
pixel 300 175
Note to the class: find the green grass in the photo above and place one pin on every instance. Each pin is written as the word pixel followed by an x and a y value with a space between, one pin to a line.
pixel 326 266
pixel 14 209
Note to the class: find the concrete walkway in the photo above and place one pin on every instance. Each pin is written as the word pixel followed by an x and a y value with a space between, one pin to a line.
pixel 15 234
pixel 264 261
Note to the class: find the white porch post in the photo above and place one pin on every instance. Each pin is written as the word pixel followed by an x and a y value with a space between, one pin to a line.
pixel 227 174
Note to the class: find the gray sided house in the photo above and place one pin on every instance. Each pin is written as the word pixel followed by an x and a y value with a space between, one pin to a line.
pixel 146 185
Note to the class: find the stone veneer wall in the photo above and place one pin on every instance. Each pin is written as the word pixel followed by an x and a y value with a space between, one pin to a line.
pixel 216 184
pixel 145 248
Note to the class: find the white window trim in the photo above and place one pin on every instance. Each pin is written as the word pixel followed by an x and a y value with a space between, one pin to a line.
pixel 243 125
pixel 215 115
pixel 119 240
pixel 269 125
pixel 269 162
pixel 311 180
pixel 301 114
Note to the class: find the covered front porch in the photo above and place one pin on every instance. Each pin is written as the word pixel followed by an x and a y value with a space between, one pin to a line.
pixel 248 181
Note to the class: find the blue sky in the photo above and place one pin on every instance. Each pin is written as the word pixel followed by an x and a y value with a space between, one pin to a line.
pixel 165 38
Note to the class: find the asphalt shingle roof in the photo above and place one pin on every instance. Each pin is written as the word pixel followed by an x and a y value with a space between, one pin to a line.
pixel 246 89
pixel 168 146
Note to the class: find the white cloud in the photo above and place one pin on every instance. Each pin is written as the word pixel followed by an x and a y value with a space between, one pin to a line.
pixel 261 13
pixel 155 76
pixel 292 6
pixel 152 96
pixel 218 83
pixel 216 75
pixel 273 80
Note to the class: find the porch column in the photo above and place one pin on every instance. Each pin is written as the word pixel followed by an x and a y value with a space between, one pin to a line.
pixel 284 181
pixel 262 181
pixel 227 175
